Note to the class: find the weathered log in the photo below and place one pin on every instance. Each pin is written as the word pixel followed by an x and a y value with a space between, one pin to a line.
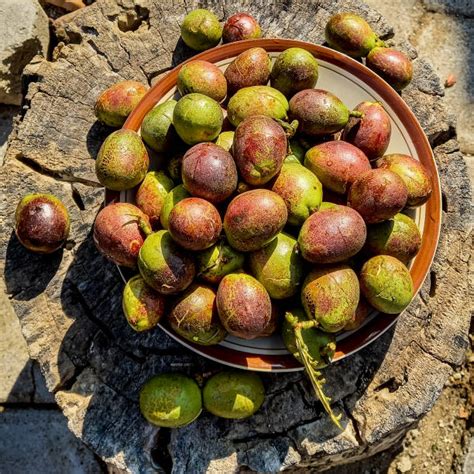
pixel 69 303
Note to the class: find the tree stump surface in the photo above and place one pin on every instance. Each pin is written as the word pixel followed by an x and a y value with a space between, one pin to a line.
pixel 69 304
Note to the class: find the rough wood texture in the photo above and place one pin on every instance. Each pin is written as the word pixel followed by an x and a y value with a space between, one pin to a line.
pixel 69 304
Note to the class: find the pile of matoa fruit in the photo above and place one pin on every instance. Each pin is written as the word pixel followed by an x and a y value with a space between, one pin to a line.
pixel 230 232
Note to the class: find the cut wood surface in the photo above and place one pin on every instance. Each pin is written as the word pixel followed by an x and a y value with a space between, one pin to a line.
pixel 69 304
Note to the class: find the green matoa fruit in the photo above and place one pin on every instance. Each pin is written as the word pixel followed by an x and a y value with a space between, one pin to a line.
pixel 116 103
pixel 398 237
pixel 172 198
pixel 250 68
pixel 254 218
pixel 170 400
pixel 244 306
pixel 295 69
pixel 165 266
pixel 41 223
pixel 122 161
pixel 225 140
pixel 233 394
pixel 202 77
pixel 321 345
pixel 194 316
pixel 197 118
pixel 386 283
pixel 278 267
pixel 300 189
pixel 157 127
pixel 143 307
pixel 351 34
pixel 330 295
pixel 201 30
pixel 151 194
pixel 216 262
pixel 319 112
pixel 257 100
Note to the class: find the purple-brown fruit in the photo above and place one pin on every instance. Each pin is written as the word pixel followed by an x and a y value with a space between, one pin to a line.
pixel 143 307
pixel 413 174
pixel 332 235
pixel 119 232
pixel 164 265
pixel 330 295
pixel 208 171
pixel 194 316
pixel 319 112
pixel 152 193
pixel 337 164
pixel 116 103
pixel 259 149
pixel 391 65
pixel 241 26
pixel 378 195
pixel 122 161
pixel 202 77
pixel 194 224
pixel 244 306
pixel 41 223
pixel 254 218
pixel 398 237
pixel 250 68
pixel 351 34
pixel 370 133
pixel 300 189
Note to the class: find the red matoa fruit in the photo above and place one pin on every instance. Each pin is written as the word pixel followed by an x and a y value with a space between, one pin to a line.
pixel 209 172
pixel 332 234
pixel 116 103
pixel 414 175
pixel 391 65
pixel 119 232
pixel 259 149
pixel 254 218
pixel 244 305
pixel 240 26
pixel 337 164
pixel 378 195
pixel 370 133
pixel 194 224
pixel 41 223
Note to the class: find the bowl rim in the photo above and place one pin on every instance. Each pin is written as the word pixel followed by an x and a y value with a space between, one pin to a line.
pixel 432 225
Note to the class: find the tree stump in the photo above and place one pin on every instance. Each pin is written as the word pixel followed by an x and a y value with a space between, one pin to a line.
pixel 69 304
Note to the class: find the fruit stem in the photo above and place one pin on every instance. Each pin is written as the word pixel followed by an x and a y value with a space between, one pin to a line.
pixel 380 43
pixel 356 113
pixel 290 128
pixel 315 376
